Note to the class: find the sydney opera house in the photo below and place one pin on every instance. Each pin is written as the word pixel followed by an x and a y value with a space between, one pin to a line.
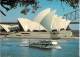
pixel 45 21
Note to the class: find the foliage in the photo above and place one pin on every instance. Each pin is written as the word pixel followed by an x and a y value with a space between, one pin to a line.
pixel 9 4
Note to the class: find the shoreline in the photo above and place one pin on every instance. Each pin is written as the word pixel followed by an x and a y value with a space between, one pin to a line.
pixel 40 35
pixel 3 37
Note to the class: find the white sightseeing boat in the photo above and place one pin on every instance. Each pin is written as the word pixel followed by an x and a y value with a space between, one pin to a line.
pixel 46 44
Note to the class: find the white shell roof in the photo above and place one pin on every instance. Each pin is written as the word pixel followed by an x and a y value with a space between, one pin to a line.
pixel 50 20
pixel 28 24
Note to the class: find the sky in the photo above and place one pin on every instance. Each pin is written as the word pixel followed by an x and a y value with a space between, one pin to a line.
pixel 14 14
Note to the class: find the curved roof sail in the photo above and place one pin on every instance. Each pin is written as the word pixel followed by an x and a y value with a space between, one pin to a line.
pixel 28 24
pixel 25 23
pixel 41 15
pixel 59 23
pixel 50 20
pixel 5 27
pixel 46 21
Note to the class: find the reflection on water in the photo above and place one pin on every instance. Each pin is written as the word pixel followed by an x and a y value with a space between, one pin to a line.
pixel 10 47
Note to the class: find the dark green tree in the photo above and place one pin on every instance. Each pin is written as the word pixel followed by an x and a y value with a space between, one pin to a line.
pixel 9 4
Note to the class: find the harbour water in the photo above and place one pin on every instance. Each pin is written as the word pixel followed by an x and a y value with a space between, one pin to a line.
pixel 11 47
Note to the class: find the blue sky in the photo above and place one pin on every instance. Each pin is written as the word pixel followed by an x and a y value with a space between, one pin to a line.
pixel 13 14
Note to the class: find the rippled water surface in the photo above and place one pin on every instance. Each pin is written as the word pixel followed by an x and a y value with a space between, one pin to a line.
pixel 11 47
